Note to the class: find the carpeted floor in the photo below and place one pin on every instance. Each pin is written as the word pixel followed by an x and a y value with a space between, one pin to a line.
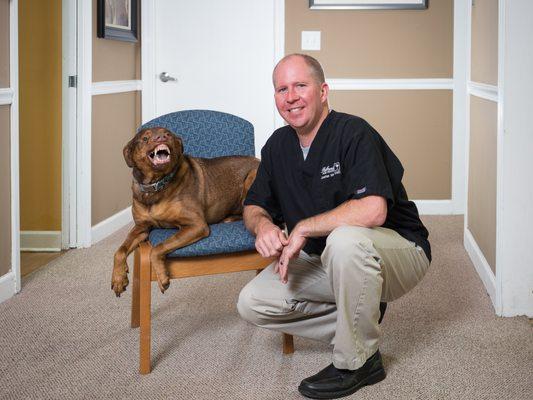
pixel 67 336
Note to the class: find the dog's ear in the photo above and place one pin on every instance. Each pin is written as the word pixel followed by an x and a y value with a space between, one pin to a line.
pixel 180 143
pixel 128 151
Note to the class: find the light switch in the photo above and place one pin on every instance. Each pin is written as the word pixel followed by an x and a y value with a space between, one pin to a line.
pixel 310 40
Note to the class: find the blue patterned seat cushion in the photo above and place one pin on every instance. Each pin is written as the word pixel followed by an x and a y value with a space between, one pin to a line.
pixel 230 237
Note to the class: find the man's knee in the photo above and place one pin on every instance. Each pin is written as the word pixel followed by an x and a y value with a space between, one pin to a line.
pixel 247 305
pixel 262 311
pixel 348 241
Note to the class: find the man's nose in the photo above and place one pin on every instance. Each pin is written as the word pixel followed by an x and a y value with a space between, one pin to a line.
pixel 292 96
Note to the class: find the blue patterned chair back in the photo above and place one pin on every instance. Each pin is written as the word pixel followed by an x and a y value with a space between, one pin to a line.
pixel 207 133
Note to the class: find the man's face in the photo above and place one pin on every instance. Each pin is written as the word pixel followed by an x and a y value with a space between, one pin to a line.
pixel 300 99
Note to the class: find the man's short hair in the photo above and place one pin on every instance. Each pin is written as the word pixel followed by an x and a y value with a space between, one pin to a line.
pixel 316 69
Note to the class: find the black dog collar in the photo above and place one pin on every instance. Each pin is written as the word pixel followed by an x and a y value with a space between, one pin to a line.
pixel 159 185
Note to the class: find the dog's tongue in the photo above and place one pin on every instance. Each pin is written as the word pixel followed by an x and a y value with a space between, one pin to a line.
pixel 161 157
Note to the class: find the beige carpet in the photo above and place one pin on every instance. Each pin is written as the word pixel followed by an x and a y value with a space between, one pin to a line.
pixel 66 336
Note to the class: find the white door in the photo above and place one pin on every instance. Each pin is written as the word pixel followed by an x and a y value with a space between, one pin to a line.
pixel 221 53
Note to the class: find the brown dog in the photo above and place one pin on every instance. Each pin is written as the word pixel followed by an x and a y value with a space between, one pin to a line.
pixel 174 190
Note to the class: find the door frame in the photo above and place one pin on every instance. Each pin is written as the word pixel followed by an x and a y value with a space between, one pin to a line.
pixel 10 283
pixel 76 123
pixel 14 140
pixel 69 131
pixel 148 55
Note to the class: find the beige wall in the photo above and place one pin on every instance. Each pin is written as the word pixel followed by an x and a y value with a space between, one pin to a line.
pixel 482 176
pixel 40 114
pixel 377 43
pixel 4 43
pixel 485 42
pixel 5 193
pixel 115 60
pixel 115 119
pixel 417 126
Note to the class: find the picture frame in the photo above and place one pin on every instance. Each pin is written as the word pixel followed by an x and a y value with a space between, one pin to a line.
pixel 117 20
pixel 367 4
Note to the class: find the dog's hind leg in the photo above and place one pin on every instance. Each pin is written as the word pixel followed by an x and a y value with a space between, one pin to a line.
pixel 231 218
pixel 250 178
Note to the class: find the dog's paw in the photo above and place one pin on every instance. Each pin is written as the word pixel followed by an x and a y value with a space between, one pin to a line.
pixel 119 282
pixel 163 280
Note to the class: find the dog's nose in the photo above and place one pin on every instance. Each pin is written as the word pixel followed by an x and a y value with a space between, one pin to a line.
pixel 161 137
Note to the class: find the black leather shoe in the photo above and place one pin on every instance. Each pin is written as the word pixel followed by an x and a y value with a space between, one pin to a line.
pixel 382 309
pixel 332 383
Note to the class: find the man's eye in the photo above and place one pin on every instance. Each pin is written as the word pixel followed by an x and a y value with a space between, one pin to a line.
pixel 301 85
pixel 282 90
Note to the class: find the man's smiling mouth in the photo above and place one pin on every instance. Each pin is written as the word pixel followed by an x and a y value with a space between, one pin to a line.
pixel 294 109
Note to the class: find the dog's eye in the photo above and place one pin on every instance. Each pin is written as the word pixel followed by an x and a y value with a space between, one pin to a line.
pixel 145 139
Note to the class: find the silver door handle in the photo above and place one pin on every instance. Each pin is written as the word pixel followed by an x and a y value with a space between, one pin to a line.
pixel 165 77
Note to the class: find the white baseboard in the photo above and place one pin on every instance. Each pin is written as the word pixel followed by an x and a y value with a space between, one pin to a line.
pixel 40 241
pixel 7 286
pixel 111 225
pixel 481 265
pixel 436 207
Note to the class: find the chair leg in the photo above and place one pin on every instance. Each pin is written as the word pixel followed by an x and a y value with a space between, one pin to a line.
pixel 288 344
pixel 135 290
pixel 145 309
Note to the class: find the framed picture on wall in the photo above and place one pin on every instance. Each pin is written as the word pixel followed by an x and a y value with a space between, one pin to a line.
pixel 117 19
pixel 367 4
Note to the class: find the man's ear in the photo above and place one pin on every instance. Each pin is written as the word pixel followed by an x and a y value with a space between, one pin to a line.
pixel 324 91
pixel 128 152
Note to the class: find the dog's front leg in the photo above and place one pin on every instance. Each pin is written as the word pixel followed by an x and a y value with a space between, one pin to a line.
pixel 186 235
pixel 119 278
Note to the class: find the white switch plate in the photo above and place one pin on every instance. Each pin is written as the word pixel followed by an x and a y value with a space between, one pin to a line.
pixel 310 40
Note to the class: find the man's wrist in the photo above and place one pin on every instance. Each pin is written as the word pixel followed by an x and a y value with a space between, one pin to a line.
pixel 303 228
pixel 262 224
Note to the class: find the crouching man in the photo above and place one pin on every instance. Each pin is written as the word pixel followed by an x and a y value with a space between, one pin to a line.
pixel 355 239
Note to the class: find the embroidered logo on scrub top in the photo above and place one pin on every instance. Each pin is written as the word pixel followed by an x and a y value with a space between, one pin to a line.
pixel 329 171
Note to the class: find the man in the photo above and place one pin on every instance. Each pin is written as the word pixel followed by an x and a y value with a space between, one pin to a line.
pixel 355 239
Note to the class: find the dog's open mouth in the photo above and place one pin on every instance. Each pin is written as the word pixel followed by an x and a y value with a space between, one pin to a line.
pixel 160 155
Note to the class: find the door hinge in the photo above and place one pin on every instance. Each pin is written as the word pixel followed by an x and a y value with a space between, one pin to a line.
pixel 73 81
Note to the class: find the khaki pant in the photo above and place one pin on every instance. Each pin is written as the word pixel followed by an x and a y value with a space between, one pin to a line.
pixel 335 297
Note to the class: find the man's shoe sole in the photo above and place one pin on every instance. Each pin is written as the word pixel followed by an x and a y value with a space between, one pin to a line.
pixel 376 377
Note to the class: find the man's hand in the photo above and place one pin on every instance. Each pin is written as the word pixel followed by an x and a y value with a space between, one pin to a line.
pixel 296 243
pixel 270 239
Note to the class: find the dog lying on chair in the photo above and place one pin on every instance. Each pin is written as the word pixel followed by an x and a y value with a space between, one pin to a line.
pixel 174 190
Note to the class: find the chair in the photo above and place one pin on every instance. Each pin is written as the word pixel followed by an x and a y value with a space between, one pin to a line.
pixel 229 247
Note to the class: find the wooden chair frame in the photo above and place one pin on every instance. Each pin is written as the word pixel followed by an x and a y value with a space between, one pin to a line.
pixel 186 267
